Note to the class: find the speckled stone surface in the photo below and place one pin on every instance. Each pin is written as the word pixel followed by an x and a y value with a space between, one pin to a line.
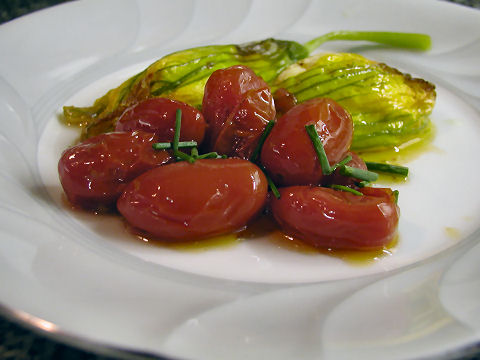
pixel 18 343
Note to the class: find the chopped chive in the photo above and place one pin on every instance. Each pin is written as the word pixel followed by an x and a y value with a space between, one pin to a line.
pixel 273 187
pixel 261 141
pixel 210 155
pixel 194 153
pixel 341 163
pixel 176 135
pixel 168 145
pixel 180 155
pixel 363 183
pixel 270 182
pixel 395 194
pixel 387 168
pixel 319 149
pixel 346 189
pixel 360 174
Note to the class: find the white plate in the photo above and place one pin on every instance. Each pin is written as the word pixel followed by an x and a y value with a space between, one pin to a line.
pixel 84 279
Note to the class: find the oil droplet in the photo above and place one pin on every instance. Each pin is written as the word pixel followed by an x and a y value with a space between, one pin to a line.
pixel 453 233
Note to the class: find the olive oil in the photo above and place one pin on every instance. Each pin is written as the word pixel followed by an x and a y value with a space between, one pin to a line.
pixel 405 152
pixel 353 257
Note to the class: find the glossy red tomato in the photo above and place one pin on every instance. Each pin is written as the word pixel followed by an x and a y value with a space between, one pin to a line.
pixel 94 173
pixel 183 201
pixel 284 101
pixel 157 115
pixel 224 90
pixel 288 153
pixel 327 218
pixel 244 126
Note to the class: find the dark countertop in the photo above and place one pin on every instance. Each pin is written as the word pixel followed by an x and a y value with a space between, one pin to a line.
pixel 19 343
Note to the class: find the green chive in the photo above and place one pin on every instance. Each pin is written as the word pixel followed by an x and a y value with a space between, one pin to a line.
pixel 346 189
pixel 341 163
pixel 194 153
pixel 182 156
pixel 262 139
pixel 363 183
pixel 271 184
pixel 319 149
pixel 395 194
pixel 387 168
pixel 178 124
pixel 273 187
pixel 360 174
pixel 210 155
pixel 168 145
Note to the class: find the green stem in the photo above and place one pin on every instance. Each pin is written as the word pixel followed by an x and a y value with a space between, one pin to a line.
pixel 412 41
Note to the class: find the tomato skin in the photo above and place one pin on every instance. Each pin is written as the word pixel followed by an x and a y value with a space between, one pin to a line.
pixel 157 115
pixel 224 90
pixel 326 218
pixel 184 202
pixel 284 101
pixel 288 153
pixel 244 126
pixel 95 172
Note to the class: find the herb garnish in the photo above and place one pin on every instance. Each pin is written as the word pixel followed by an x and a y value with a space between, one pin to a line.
pixel 262 139
pixel 387 168
pixel 176 144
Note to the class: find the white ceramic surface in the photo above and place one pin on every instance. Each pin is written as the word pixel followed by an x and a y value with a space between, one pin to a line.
pixel 84 279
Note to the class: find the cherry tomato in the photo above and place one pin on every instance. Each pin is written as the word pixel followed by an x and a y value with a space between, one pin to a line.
pixel 224 90
pixel 244 126
pixel 288 153
pixel 327 218
pixel 339 179
pixel 284 101
pixel 183 201
pixel 157 115
pixel 94 173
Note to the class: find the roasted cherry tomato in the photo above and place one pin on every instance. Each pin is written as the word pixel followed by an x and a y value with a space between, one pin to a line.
pixel 288 153
pixel 183 201
pixel 327 218
pixel 339 179
pixel 284 101
pixel 94 173
pixel 244 126
pixel 157 115
pixel 224 90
